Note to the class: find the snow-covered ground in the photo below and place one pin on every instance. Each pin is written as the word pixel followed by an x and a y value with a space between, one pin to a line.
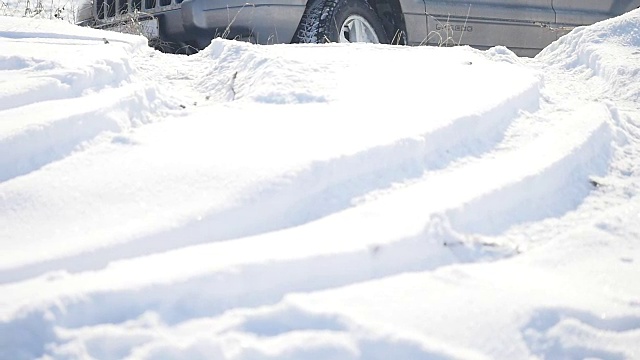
pixel 318 202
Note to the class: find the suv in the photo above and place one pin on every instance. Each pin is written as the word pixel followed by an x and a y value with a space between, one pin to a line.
pixel 525 26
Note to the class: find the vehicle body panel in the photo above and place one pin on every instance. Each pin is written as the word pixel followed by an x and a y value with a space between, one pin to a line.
pixel 526 26
pixel 523 26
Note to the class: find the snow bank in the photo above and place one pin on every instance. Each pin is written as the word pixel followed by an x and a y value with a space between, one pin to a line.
pixel 609 49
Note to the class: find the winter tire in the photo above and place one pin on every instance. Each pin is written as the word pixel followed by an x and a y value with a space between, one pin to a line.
pixel 342 21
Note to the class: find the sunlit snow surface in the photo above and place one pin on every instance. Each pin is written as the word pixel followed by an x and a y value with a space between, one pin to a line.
pixel 318 202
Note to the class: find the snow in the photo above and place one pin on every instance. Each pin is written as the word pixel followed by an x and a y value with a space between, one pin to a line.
pixel 318 201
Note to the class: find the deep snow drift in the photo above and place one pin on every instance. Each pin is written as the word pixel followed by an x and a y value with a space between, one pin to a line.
pixel 318 202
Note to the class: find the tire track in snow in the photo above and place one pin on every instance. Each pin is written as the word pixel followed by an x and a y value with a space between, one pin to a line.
pixel 50 105
pixel 210 279
pixel 318 190
pixel 36 135
pixel 33 76
pixel 559 186
pixel 58 83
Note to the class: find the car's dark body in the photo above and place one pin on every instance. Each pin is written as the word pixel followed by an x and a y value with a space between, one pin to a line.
pixel 525 26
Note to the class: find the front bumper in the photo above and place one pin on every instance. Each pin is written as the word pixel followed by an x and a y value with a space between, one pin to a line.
pixel 197 22
pixel 261 22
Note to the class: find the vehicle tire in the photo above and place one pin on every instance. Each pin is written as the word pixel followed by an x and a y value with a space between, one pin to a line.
pixel 341 21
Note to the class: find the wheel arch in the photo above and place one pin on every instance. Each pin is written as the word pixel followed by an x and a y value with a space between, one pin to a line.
pixel 390 11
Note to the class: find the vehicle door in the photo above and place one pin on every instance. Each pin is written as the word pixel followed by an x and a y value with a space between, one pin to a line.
pixel 523 26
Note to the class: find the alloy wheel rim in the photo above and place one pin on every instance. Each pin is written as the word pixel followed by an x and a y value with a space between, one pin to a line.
pixel 357 29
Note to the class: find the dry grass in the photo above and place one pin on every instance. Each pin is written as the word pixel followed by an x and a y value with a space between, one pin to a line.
pixel 444 35
pixel 39 9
